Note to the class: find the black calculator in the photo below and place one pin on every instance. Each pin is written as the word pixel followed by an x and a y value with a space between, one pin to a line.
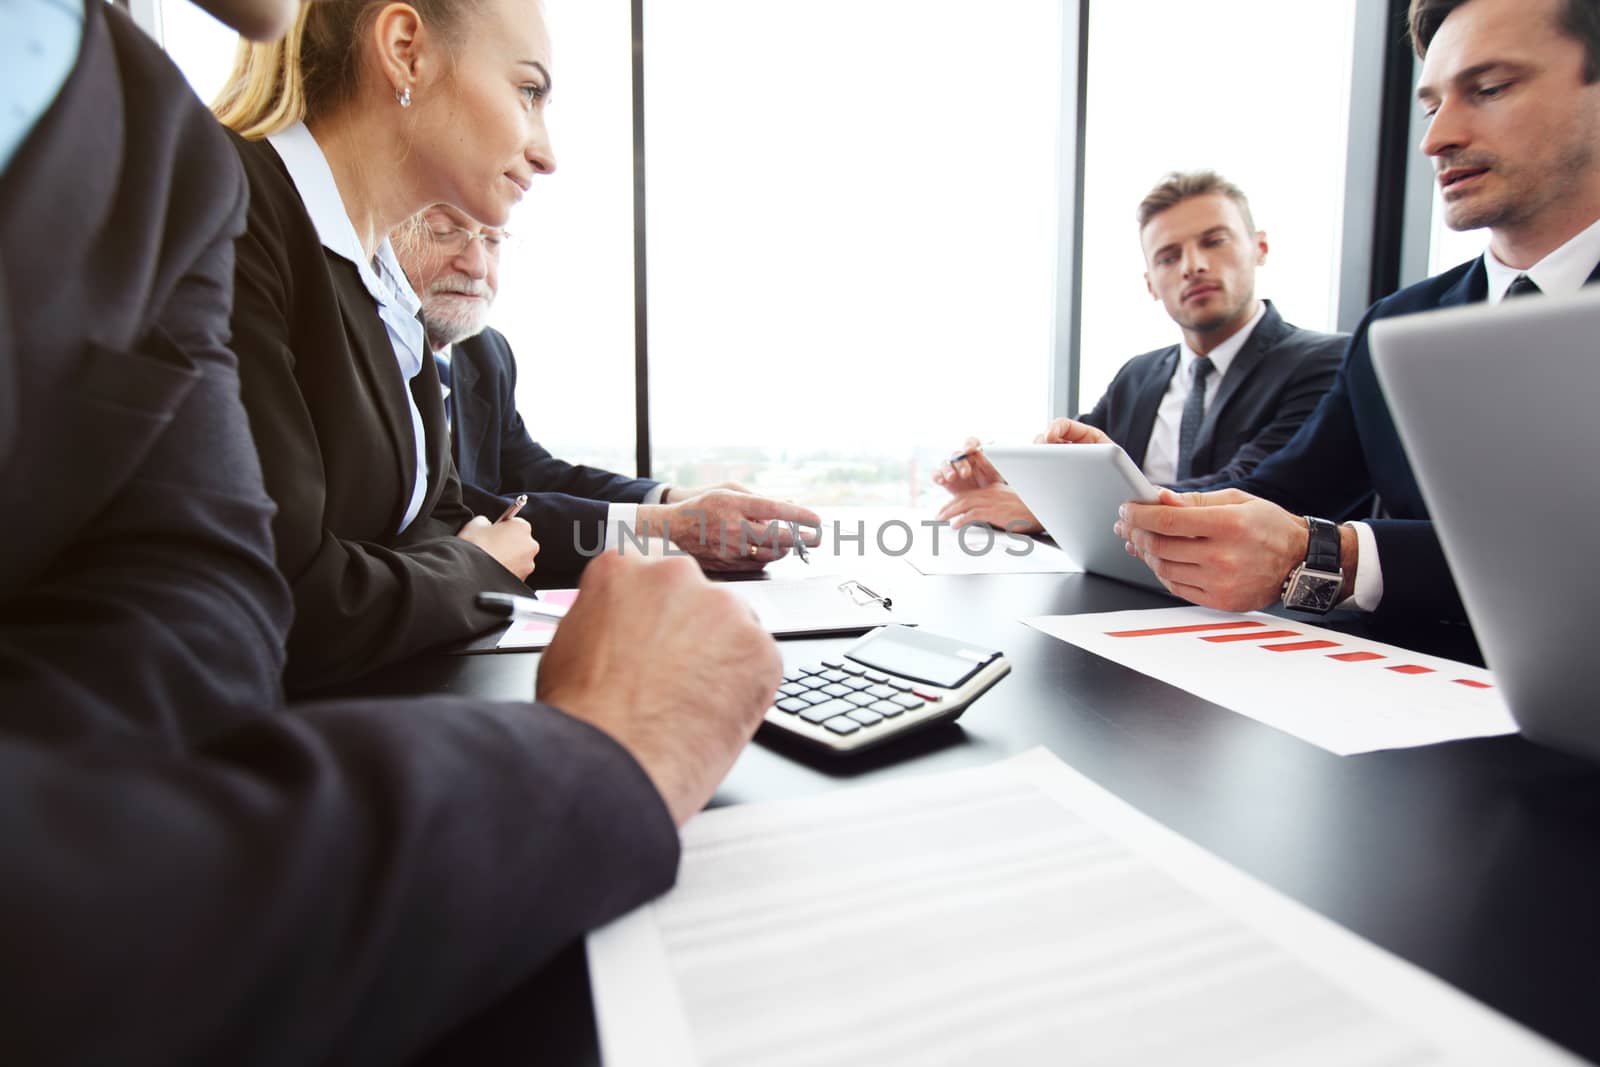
pixel 894 680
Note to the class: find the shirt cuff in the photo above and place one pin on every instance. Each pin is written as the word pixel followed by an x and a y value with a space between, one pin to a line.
pixel 654 495
pixel 1369 571
pixel 618 518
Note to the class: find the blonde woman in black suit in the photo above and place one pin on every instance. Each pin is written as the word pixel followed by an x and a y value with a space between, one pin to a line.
pixel 364 114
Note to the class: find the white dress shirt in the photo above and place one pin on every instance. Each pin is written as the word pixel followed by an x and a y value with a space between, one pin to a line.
pixel 1562 272
pixel 385 282
pixel 1161 456
pixel 38 50
pixel 618 516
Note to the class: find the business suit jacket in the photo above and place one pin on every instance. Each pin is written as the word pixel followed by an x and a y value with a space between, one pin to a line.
pixel 194 873
pixel 497 459
pixel 328 410
pixel 131 502
pixel 1271 387
pixel 1349 449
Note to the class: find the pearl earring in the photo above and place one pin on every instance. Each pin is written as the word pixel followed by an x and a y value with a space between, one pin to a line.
pixel 404 96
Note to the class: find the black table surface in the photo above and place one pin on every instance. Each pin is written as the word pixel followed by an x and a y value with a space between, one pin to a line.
pixel 1477 860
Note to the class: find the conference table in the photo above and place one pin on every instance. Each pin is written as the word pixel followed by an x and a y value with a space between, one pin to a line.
pixel 1478 861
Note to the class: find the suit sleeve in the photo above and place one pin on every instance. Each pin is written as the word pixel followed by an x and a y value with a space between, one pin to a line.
pixel 1099 414
pixel 1323 470
pixel 570 531
pixel 1300 396
pixel 358 604
pixel 181 558
pixel 1417 583
pixel 341 883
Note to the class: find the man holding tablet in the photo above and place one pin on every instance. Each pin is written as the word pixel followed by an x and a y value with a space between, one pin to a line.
pixel 1206 410
pixel 1512 92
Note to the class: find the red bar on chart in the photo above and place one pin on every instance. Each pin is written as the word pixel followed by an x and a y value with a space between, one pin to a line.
pixel 1188 629
pixel 1356 657
pixel 1412 668
pixel 1470 684
pixel 1301 646
pixel 1256 635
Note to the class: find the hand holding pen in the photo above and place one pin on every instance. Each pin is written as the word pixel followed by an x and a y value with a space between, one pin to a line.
pixel 967 469
pixel 509 539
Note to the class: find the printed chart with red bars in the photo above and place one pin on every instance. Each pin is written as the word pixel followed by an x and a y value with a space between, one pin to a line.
pixel 536 633
pixel 1342 693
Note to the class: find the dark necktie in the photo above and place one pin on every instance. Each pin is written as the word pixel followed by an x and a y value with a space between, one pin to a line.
pixel 1522 285
pixel 444 379
pixel 1194 413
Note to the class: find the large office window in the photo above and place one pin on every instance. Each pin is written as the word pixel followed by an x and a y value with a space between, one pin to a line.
pixel 853 217
pixel 851 237
pixel 1255 89
pixel 1448 247
pixel 566 286
pixel 202 47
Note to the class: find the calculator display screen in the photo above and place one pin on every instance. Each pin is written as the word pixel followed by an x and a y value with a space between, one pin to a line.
pixel 907 654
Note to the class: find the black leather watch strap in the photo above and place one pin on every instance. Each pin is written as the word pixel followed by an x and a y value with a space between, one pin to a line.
pixel 1322 548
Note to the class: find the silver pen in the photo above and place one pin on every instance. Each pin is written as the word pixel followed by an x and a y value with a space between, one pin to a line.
pixel 520 607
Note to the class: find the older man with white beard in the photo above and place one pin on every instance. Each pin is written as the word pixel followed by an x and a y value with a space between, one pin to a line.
pixel 453 264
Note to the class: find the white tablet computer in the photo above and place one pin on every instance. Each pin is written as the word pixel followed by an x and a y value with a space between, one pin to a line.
pixel 1075 491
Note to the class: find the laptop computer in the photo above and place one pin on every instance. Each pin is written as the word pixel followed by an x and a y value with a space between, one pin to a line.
pixel 1496 407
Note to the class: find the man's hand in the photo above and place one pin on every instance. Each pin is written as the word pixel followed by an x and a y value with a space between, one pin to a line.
pixel 677 494
pixel 971 471
pixel 678 671
pixel 1226 550
pixel 728 531
pixel 997 505
pixel 1072 432
pixel 510 541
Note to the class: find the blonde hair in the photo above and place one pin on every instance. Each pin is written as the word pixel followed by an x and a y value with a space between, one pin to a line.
pixel 314 67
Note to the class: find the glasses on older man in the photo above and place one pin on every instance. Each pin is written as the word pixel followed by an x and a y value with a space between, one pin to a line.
pixel 453 240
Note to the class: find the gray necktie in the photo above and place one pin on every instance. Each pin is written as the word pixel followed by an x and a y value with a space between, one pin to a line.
pixel 449 393
pixel 1522 285
pixel 1194 413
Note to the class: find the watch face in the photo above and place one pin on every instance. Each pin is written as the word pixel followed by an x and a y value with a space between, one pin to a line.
pixel 1314 591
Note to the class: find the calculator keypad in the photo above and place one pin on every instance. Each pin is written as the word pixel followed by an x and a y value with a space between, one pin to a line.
pixel 844 697
pixel 821 713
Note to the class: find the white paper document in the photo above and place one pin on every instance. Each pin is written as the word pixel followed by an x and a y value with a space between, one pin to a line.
pixel 791 607
pixel 529 633
pixel 1341 693
pixel 1016 914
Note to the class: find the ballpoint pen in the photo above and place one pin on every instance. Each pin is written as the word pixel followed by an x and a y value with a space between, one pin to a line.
pixel 846 587
pixel 966 453
pixel 521 607
pixel 516 506
pixel 799 545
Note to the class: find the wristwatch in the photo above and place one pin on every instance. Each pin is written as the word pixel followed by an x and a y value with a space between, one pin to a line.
pixel 1315 585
